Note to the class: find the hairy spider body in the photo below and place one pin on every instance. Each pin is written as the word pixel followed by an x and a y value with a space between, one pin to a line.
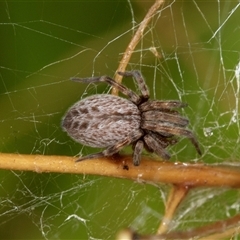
pixel 112 122
pixel 96 121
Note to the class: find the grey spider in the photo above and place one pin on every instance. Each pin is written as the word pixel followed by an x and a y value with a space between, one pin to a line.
pixel 112 122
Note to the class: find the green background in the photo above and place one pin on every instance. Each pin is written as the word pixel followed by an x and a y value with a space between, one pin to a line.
pixel 44 43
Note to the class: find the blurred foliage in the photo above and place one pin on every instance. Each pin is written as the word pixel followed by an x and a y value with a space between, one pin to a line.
pixel 44 43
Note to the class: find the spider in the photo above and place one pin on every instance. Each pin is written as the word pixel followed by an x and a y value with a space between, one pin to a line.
pixel 112 122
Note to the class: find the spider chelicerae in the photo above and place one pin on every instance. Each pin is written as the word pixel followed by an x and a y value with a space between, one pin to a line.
pixel 112 122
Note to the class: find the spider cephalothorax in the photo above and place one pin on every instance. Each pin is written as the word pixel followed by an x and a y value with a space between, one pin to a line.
pixel 112 122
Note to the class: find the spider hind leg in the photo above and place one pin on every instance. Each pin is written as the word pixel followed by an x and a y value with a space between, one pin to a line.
pixel 117 147
pixel 90 156
pixel 123 89
pixel 139 80
pixel 137 152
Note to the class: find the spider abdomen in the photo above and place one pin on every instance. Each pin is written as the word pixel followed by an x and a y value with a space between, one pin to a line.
pixel 102 120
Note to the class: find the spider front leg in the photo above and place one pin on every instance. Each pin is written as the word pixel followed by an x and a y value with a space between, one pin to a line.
pixel 166 129
pixel 161 105
pixel 160 116
pixel 128 92
pixel 156 146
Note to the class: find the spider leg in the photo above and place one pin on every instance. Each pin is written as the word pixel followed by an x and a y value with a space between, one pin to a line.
pixel 157 116
pixel 159 105
pixel 115 148
pixel 137 152
pixel 140 81
pixel 90 156
pixel 156 146
pixel 128 92
pixel 164 141
pixel 163 129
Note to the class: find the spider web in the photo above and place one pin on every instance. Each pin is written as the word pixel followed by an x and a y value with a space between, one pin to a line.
pixel 190 52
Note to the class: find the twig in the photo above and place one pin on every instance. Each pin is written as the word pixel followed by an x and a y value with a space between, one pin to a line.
pixel 175 197
pixel 151 171
pixel 218 230
pixel 134 41
pixel 229 227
